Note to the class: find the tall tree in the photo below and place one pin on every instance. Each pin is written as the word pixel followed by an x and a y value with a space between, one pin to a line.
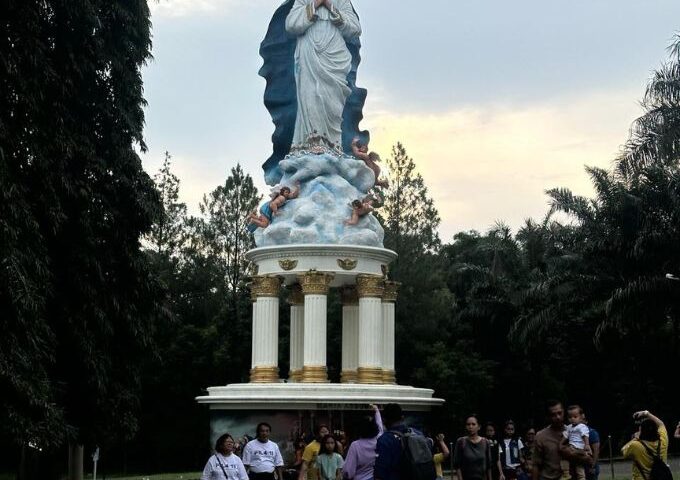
pixel 411 220
pixel 225 210
pixel 73 271
pixel 167 231
pixel 409 215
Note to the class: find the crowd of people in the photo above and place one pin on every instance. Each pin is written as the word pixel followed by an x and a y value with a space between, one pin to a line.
pixel 388 449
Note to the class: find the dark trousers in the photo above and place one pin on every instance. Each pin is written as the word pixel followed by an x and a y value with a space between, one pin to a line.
pixel 261 476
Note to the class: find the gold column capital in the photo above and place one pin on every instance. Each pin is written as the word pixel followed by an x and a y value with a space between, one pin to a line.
pixel 295 296
pixel 267 286
pixel 349 295
pixel 391 289
pixel 370 286
pixel 295 376
pixel 254 288
pixel 315 283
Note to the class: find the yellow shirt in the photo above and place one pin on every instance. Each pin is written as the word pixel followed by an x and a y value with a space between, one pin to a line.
pixel 636 451
pixel 438 460
pixel 309 455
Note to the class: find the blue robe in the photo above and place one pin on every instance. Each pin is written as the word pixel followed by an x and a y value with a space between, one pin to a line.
pixel 280 97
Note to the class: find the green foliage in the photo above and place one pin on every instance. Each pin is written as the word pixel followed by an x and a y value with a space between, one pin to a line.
pixel 78 300
pixel 166 234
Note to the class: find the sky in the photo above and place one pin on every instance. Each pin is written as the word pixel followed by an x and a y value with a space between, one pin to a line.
pixel 495 100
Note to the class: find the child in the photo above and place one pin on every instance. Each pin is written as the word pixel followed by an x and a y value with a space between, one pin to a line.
pixel 440 456
pixel 576 435
pixel 329 462
pixel 271 209
pixel 360 208
pixel 370 159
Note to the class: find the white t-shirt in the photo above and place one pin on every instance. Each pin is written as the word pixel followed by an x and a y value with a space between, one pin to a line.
pixel 232 465
pixel 508 453
pixel 262 457
pixel 575 434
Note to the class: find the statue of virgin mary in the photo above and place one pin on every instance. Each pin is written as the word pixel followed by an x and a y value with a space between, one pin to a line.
pixel 311 56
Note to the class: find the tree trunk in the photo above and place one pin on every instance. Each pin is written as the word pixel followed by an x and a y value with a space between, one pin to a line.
pixel 75 461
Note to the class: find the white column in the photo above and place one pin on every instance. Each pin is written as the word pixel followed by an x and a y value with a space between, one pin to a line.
pixel 265 358
pixel 388 306
pixel 370 290
pixel 315 289
pixel 297 333
pixel 350 335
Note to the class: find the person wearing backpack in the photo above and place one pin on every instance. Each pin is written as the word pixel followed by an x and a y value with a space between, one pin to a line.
pixel 402 453
pixel 648 449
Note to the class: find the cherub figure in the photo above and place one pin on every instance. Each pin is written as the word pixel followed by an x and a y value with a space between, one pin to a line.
pixel 270 209
pixel 360 208
pixel 360 151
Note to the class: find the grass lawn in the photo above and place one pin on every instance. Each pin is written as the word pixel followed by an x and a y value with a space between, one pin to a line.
pixel 160 476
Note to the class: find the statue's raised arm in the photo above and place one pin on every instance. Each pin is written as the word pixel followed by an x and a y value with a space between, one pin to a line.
pixel 312 50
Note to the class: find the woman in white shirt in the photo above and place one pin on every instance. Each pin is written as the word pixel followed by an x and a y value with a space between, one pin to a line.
pixel 224 464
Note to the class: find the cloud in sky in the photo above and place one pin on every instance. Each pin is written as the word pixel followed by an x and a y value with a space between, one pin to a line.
pixel 495 163
pixel 482 164
pixel 183 8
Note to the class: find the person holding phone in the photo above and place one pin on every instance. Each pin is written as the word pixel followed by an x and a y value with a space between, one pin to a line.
pixel 649 441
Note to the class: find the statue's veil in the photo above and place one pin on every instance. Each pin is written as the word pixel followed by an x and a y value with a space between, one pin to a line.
pixel 280 97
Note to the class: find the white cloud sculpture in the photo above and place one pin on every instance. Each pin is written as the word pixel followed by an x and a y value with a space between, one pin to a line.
pixel 328 184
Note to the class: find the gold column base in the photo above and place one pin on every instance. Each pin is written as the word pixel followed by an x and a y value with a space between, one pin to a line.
pixel 390 377
pixel 295 376
pixel 349 376
pixel 311 374
pixel 370 375
pixel 264 375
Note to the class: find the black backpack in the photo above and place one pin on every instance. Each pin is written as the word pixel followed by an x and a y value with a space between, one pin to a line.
pixel 660 469
pixel 416 461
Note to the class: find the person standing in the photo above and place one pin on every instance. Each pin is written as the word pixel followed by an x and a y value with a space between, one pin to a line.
pixel 329 460
pixel 389 447
pixel 593 471
pixel 649 441
pixel 495 451
pixel 527 451
pixel 472 453
pixel 224 464
pixel 512 458
pixel 262 456
pixel 546 459
pixel 440 456
pixel 360 459
pixel 309 456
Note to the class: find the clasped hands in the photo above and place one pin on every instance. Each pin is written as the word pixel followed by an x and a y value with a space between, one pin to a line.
pixel 323 3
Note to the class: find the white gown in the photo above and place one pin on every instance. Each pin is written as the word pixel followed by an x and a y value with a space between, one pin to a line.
pixel 322 62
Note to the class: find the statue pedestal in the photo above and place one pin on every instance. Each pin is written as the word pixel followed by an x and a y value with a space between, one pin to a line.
pixel 306 398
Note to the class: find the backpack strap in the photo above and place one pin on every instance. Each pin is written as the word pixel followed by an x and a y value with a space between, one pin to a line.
pixel 650 452
pixel 640 469
pixel 225 472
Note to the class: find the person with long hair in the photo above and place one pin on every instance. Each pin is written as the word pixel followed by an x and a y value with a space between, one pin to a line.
pixel 224 464
pixel 472 453
pixel 329 460
pixel 651 440
pixel 361 453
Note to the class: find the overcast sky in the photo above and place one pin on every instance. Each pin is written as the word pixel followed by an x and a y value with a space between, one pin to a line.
pixel 496 100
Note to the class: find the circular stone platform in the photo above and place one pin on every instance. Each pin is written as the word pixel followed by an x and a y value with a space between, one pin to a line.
pixel 345 262
pixel 301 396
